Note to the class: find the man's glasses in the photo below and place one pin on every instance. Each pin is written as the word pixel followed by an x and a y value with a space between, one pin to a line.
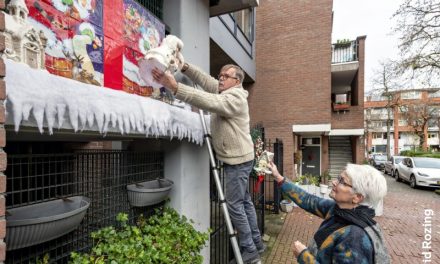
pixel 342 181
pixel 225 76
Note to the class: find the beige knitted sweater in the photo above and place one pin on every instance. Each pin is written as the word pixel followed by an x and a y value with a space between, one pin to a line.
pixel 231 137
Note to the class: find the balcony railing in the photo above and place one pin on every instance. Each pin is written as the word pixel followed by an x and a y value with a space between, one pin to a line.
pixel 345 52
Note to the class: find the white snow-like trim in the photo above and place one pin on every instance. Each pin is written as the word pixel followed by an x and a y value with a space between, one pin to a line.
pixel 52 100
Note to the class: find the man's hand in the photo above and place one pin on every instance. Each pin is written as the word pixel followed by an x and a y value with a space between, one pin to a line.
pixel 298 247
pixel 166 79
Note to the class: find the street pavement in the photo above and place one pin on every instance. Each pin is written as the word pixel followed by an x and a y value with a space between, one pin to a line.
pixel 407 223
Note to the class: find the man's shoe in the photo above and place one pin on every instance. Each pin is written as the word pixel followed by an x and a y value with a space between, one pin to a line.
pixel 261 248
pixel 250 257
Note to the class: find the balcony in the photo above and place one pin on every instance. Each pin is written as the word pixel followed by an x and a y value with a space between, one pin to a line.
pixel 345 52
pixel 345 63
pixel 217 7
pixel 232 41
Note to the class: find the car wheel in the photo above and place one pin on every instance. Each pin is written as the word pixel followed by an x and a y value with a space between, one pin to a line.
pixel 412 182
pixel 396 174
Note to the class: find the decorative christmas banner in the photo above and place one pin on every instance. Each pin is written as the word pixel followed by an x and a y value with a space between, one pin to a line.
pixel 97 42
pixel 75 37
pixel 142 32
pixel 129 33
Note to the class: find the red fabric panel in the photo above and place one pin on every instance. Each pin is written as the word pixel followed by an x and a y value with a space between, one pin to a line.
pixel 113 43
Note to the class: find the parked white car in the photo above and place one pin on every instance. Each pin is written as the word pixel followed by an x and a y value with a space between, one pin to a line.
pixel 390 165
pixel 419 171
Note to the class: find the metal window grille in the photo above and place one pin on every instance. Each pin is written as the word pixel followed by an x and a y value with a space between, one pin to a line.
pixel 101 176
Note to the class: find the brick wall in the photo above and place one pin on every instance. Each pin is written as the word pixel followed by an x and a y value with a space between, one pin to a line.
pixel 293 77
pixel 92 145
pixel 2 140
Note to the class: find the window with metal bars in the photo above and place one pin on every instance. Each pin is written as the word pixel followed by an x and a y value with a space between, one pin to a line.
pixel 99 175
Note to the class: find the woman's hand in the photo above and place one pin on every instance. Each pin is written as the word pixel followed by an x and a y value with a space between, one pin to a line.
pixel 166 79
pixel 275 173
pixel 298 247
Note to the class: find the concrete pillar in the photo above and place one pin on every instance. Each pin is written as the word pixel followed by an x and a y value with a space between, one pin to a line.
pixel 187 165
pixel 189 20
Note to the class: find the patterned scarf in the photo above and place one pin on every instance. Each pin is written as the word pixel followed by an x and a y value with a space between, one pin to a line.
pixel 361 216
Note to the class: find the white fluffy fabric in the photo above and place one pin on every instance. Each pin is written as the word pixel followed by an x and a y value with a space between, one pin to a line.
pixel 54 100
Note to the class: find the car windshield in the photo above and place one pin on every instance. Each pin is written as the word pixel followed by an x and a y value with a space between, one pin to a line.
pixel 380 157
pixel 398 160
pixel 427 163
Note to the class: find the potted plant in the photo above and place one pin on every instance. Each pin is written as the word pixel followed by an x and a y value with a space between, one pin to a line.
pixel 342 43
pixel 340 106
pixel 309 183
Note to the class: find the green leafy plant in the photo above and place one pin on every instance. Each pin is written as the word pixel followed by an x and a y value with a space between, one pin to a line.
pixel 342 43
pixel 308 179
pixel 44 260
pixel 420 153
pixel 163 238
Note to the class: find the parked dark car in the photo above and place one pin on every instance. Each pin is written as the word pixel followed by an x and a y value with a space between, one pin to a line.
pixel 390 165
pixel 378 161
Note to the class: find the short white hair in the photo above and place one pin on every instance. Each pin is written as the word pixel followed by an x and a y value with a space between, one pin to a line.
pixel 368 182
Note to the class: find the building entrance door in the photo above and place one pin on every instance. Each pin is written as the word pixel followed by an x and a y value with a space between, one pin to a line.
pixel 311 160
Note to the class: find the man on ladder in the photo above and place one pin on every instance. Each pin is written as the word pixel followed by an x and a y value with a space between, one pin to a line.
pixel 226 99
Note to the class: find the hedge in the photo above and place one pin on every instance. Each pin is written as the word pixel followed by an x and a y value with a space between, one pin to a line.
pixel 412 153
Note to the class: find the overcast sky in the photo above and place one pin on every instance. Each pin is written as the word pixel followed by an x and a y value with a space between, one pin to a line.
pixel 373 18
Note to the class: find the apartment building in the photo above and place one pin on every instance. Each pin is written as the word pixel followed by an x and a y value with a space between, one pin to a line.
pixel 308 92
pixel 423 103
pixel 141 138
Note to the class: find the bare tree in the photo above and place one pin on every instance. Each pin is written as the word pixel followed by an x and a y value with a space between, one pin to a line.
pixel 418 27
pixel 417 115
pixel 386 82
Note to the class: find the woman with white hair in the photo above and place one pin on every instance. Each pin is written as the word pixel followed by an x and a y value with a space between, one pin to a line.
pixel 348 233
